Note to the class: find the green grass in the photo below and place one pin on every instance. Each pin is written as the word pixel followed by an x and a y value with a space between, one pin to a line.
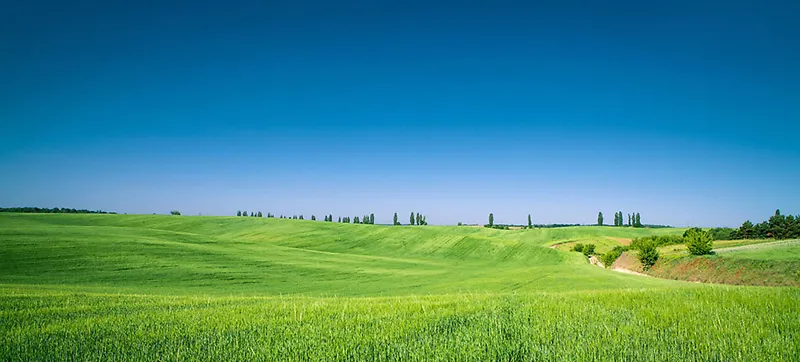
pixel 780 250
pixel 124 287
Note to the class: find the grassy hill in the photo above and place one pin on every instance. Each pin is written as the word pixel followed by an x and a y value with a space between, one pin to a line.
pixel 125 287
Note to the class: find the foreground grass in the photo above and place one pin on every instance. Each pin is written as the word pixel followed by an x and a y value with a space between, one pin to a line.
pixel 699 323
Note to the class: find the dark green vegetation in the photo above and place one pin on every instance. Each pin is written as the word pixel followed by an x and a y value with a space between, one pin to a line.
pixel 778 226
pixel 123 287
pixel 55 210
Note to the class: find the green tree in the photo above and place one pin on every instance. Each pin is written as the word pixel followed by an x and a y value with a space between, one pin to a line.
pixel 239 213
pixel 244 213
pixel 424 220
pixel 698 241
pixel 394 220
pixel 599 219
pixel 530 224
pixel 356 220
pixel 637 220
pixel 340 219
pixel 372 219
pixel 648 254
pixel 259 214
pixel 491 219
pixel 175 212
pixel 630 219
pixel 301 217
pixel 411 219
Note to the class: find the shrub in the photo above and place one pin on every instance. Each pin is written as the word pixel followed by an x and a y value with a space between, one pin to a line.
pixel 174 212
pixel 661 240
pixel 698 242
pixel 648 255
pixel 588 249
pixel 577 247
pixel 610 257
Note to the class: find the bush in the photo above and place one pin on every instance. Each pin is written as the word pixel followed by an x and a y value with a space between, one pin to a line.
pixel 577 247
pixel 174 212
pixel 588 249
pixel 722 233
pixel 698 242
pixel 610 257
pixel 662 240
pixel 648 255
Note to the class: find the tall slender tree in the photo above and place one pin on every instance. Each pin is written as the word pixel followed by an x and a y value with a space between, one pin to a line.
pixel 600 218
pixel 491 219
pixel 411 219
pixel 239 213
pixel 372 219
pixel 259 214
pixel 394 220
pixel 638 220
pixel 530 224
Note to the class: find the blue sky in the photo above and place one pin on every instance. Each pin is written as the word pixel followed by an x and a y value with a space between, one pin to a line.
pixel 687 112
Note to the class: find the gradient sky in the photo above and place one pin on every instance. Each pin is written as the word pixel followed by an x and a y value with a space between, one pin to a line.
pixel 685 111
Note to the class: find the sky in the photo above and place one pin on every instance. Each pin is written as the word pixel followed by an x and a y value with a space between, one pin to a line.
pixel 687 112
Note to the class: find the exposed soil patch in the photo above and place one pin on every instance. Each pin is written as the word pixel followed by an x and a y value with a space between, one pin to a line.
pixel 623 241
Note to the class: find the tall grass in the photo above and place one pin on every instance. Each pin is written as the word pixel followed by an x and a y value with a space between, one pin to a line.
pixel 692 324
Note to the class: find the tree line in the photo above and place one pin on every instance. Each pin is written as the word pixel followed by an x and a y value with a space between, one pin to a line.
pixel 778 226
pixel 634 220
pixel 55 210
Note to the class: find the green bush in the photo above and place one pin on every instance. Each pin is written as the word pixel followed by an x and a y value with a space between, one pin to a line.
pixel 698 242
pixel 588 249
pixel 661 240
pixel 648 254
pixel 610 257
pixel 577 247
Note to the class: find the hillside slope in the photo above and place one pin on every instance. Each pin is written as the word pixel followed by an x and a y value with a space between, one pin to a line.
pixel 256 256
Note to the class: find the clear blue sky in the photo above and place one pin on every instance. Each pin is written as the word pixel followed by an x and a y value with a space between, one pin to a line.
pixel 685 111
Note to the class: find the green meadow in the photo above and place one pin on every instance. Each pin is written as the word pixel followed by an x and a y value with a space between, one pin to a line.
pixel 130 287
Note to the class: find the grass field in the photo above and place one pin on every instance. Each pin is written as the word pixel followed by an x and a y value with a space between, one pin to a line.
pixel 124 287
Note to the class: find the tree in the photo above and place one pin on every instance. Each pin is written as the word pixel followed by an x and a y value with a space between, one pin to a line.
pixel 746 231
pixel 424 220
pixel 239 213
pixel 648 254
pixel 637 220
pixel 530 225
pixel 629 220
pixel 491 219
pixel 313 218
pixel 330 217
pixel 340 219
pixel 259 214
pixel 411 219
pixel 175 212
pixel 419 219
pixel 372 219
pixel 698 241
pixel 394 220
pixel 599 219
pixel 301 217
pixel 459 223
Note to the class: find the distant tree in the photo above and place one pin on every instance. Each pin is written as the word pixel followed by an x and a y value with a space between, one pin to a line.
pixel 530 225
pixel 259 214
pixel 239 213
pixel 459 223
pixel 301 217
pixel 746 231
pixel 411 219
pixel 637 220
pixel 419 219
pixel 394 220
pixel 424 220
pixel 698 241
pixel 599 219
pixel 630 219
pixel 330 217
pixel 175 212
pixel 372 219
pixel 491 219
pixel 356 220
pixel 340 219
pixel 313 218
